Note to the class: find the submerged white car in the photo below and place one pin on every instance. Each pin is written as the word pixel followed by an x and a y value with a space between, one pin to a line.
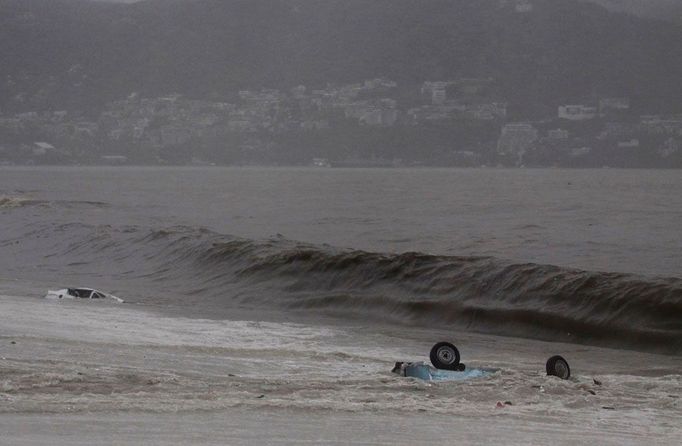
pixel 80 293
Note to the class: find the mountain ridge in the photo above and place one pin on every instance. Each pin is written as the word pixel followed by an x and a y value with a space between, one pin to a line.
pixel 560 51
pixel 669 10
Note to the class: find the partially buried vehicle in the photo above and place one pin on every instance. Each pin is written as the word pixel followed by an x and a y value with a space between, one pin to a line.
pixel 80 293
pixel 445 358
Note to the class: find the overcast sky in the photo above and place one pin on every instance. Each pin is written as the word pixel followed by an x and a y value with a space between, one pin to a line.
pixel 651 8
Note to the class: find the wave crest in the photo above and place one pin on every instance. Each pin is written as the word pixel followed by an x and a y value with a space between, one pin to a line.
pixel 479 293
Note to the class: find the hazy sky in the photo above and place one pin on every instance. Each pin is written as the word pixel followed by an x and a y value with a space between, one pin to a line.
pixel 661 9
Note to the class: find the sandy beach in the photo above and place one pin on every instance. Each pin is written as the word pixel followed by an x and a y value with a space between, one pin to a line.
pixel 93 372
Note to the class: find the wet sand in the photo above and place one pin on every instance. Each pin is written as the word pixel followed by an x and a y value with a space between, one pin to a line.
pixel 292 427
pixel 95 372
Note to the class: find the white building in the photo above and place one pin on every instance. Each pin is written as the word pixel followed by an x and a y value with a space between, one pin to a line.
pixel 629 144
pixel 611 105
pixel 557 134
pixel 486 112
pixel 662 124
pixel 580 151
pixel 670 147
pixel 577 112
pixel 435 91
pixel 114 159
pixel 523 6
pixel 516 139
pixel 42 148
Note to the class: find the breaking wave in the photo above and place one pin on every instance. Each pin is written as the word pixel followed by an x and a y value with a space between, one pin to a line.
pixel 8 201
pixel 477 293
pixel 18 201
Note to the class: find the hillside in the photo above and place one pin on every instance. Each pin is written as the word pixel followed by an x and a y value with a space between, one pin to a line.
pixel 670 10
pixel 71 53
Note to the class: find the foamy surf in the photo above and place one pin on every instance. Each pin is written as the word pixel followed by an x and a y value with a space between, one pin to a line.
pixel 65 357
pixel 15 201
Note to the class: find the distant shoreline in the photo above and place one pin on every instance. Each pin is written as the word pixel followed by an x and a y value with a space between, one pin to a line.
pixel 304 166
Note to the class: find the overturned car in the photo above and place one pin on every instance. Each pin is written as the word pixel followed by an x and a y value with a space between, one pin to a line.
pixel 445 358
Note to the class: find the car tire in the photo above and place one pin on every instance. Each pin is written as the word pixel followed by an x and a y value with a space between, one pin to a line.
pixel 445 356
pixel 558 366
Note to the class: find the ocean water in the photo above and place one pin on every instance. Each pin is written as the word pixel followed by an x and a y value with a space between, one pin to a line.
pixel 589 256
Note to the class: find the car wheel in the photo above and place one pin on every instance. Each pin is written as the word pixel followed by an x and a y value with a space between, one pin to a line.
pixel 558 366
pixel 445 356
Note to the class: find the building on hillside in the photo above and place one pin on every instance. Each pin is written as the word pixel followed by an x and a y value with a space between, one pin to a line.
pixel 42 149
pixel 43 152
pixel 11 125
pixel 379 84
pixel 615 130
pixel 298 92
pixel 669 147
pixel 487 112
pixel 373 113
pixel 577 152
pixel 613 105
pixel 517 139
pixel 436 92
pixel 629 144
pixel 434 113
pixel 577 112
pixel 662 124
pixel 321 162
pixel 558 134
pixel 314 124
pixel 114 159
pixel 469 87
pixel 523 6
